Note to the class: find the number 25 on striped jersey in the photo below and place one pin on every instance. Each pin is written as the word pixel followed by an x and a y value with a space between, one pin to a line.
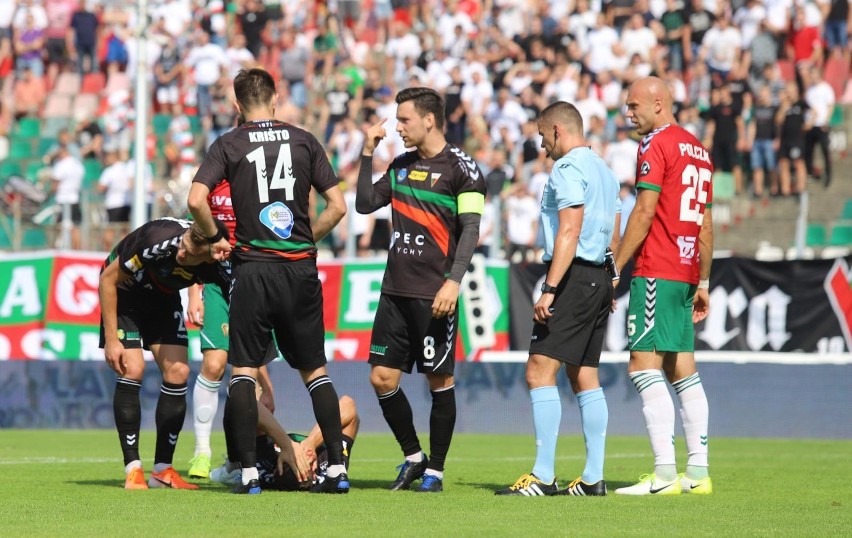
pixel 284 164
pixel 695 194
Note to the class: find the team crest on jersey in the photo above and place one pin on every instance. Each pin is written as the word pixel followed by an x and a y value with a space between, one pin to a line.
pixel 278 218
pixel 435 178
pixel 646 169
pixel 401 175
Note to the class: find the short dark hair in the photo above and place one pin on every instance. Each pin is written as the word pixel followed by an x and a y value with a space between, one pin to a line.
pixel 197 237
pixel 253 88
pixel 564 114
pixel 426 100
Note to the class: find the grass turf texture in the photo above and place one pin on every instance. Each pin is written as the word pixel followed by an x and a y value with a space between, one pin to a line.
pixel 69 483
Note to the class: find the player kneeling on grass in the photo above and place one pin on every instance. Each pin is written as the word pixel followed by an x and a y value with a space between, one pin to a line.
pixel 141 309
pixel 277 469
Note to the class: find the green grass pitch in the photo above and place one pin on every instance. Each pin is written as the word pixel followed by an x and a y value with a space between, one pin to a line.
pixel 69 483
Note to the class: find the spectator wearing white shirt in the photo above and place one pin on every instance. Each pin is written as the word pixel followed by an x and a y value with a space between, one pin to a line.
pixel 521 212
pixel 115 183
pixel 29 7
pixel 748 18
pixel 620 155
pixel 207 60
pixel 505 116
pixel 67 175
pixel 638 38
pixel 477 94
pixel 239 57
pixel 452 17
pixel 601 40
pixel 721 47
pixel 820 99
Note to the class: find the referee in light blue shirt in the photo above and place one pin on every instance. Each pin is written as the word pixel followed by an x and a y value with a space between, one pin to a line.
pixel 580 217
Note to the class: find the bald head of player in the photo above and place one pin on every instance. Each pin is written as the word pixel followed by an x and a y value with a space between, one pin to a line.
pixel 561 128
pixel 255 94
pixel 649 104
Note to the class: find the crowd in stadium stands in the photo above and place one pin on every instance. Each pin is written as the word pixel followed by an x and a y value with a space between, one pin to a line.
pixel 756 81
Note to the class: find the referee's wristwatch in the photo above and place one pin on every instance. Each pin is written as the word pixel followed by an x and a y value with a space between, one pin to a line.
pixel 547 288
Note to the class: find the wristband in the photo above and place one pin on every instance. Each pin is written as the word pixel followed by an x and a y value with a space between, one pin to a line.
pixel 704 284
pixel 216 238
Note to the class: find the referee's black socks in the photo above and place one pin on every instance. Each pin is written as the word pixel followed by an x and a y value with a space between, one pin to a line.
pixel 327 413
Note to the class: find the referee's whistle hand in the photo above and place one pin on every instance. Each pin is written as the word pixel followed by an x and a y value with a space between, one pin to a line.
pixel 542 310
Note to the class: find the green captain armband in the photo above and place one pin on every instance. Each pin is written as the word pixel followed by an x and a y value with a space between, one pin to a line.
pixel 471 202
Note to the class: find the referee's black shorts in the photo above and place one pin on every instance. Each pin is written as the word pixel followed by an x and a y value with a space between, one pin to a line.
pixel 581 307
pixel 282 296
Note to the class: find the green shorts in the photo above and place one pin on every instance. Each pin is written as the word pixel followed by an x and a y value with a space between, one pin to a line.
pixel 214 334
pixel 659 317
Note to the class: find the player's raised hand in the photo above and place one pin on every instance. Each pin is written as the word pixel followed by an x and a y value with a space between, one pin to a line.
pixel 375 134
pixel 221 250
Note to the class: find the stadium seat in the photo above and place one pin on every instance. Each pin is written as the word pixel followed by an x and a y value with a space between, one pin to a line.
pixel 815 236
pixel 20 149
pixel 161 123
pixel 86 105
pixel 93 83
pixel 788 70
pixel 841 235
pixel 57 106
pixel 93 169
pixel 9 168
pixel 32 170
pixel 44 145
pixel 836 120
pixel 846 214
pixel 52 126
pixel 67 84
pixel 194 124
pixel 724 187
pixel 116 82
pixel 28 128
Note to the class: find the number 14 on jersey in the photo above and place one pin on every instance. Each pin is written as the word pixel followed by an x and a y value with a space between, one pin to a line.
pixel 284 164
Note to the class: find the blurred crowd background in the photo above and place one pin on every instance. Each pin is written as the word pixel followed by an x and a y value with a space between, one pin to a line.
pixel 759 82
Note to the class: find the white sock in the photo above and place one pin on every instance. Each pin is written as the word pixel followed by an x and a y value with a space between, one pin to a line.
pixel 695 414
pixel 205 402
pixel 415 458
pixel 160 467
pixel 249 474
pixel 135 464
pixel 658 408
pixel 433 472
pixel 334 471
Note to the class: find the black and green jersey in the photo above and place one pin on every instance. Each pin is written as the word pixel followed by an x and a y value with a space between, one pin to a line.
pixel 426 196
pixel 271 166
pixel 149 255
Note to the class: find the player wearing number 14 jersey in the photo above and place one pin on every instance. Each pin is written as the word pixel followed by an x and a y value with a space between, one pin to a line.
pixel 272 166
pixel 670 234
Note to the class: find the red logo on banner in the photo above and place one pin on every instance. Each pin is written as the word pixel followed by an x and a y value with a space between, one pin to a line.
pixel 838 287
pixel 73 295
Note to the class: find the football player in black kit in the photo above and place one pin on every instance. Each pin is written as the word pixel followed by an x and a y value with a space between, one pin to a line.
pixel 141 308
pixel 437 193
pixel 272 166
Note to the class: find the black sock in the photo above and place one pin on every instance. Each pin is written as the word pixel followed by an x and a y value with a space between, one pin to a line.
pixel 348 443
pixel 442 422
pixel 327 413
pixel 398 415
pixel 128 416
pixel 170 414
pixel 241 421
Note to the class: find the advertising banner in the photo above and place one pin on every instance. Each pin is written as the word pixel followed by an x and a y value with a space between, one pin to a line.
pixel 801 306
pixel 49 307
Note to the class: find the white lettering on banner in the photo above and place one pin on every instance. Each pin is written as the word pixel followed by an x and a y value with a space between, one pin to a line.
pixel 364 290
pixel 715 332
pixel 22 292
pixel 767 320
pixel 72 297
pixel 5 348
pixel 43 344
pixel 89 350
pixel 341 348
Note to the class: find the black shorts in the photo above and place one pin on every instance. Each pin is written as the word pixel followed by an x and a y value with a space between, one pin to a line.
pixel 285 297
pixel 55 50
pixel 404 333
pixel 725 155
pixel 575 333
pixel 76 214
pixel 119 214
pixel 792 149
pixel 147 318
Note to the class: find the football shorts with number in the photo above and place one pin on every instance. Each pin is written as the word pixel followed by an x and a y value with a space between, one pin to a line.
pixel 659 317
pixel 146 318
pixel 405 334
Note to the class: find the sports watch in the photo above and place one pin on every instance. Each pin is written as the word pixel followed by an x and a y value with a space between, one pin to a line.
pixel 547 288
